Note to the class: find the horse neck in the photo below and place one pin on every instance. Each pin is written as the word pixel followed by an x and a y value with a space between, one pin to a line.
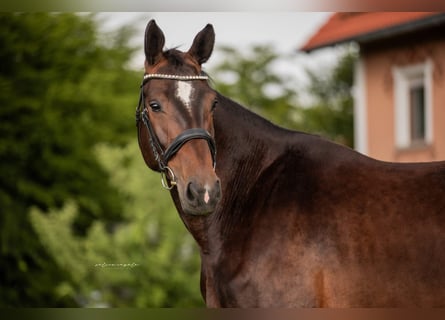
pixel 241 135
pixel 247 145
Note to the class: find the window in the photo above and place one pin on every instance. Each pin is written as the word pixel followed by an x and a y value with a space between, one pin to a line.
pixel 413 105
pixel 417 113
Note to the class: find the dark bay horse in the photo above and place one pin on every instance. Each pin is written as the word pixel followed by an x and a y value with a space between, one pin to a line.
pixel 284 218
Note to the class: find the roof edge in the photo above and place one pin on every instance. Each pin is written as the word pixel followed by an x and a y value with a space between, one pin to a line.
pixel 385 33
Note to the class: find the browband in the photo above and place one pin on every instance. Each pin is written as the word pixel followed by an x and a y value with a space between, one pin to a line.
pixel 173 77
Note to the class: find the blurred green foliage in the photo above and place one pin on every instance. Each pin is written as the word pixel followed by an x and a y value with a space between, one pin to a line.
pixel 249 78
pixel 61 91
pixel 149 261
pixel 330 113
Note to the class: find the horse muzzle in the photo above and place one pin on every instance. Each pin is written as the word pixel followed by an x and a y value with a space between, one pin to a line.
pixel 201 199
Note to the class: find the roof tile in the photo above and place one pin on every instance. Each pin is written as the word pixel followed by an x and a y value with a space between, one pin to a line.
pixel 343 26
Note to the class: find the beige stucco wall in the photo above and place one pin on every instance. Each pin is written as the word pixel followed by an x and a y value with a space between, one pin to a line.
pixel 380 110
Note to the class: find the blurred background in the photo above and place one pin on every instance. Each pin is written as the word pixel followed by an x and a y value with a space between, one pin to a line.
pixel 83 221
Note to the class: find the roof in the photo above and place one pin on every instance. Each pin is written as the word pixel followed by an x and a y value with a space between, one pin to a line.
pixel 367 26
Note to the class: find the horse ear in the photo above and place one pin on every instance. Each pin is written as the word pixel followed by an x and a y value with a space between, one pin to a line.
pixel 203 43
pixel 153 43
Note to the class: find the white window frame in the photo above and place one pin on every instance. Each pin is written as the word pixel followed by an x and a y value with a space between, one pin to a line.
pixel 404 79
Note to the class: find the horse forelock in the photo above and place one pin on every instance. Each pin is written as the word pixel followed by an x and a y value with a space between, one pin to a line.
pixel 174 57
pixel 178 59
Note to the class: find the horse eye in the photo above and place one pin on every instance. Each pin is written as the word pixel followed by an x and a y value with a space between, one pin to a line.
pixel 155 106
pixel 214 104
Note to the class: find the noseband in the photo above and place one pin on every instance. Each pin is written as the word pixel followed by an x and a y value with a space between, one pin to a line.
pixel 163 156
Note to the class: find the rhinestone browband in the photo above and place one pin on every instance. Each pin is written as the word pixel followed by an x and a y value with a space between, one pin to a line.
pixel 173 77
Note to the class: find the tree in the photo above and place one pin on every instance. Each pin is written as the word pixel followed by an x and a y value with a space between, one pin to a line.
pixel 62 90
pixel 150 260
pixel 249 78
pixel 330 113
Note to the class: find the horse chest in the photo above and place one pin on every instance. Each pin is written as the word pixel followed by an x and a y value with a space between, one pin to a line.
pixel 289 278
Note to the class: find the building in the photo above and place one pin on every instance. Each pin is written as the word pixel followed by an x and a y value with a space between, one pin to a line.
pixel 399 90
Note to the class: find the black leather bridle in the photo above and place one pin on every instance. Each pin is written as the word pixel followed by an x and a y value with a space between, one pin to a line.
pixel 163 156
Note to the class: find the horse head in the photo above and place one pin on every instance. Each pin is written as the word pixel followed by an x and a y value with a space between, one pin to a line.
pixel 175 119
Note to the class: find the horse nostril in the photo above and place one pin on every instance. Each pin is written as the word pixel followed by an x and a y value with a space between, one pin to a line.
pixel 192 193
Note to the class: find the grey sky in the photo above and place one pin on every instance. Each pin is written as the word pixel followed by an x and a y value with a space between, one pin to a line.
pixel 286 31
